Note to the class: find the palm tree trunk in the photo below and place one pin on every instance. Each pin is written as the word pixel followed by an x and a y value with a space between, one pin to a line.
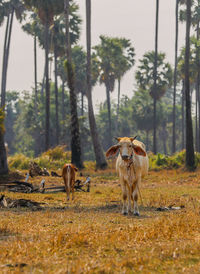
pixel 82 104
pixel 63 100
pixel 3 156
pixel 175 81
pixel 75 135
pixel 190 160
pixel 98 150
pixel 4 62
pixel 35 70
pixel 147 140
pixel 197 96
pixel 43 82
pixel 47 107
pixel 109 116
pixel 118 102
pixel 164 139
pixel 56 92
pixel 155 80
pixel 196 117
pixel 7 50
pixel 183 115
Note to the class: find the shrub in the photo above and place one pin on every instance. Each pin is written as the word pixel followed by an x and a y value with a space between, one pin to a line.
pixel 161 160
pixel 19 161
pixel 58 153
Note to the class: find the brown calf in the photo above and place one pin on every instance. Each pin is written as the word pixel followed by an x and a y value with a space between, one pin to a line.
pixel 68 174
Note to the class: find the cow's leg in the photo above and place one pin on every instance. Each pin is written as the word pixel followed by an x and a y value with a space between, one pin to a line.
pixel 124 197
pixel 129 188
pixel 136 210
pixel 135 198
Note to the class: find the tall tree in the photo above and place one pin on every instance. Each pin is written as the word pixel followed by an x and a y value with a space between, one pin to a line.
pixel 7 39
pixel 98 150
pixel 145 74
pixel 125 63
pixel 75 135
pixel 56 81
pixel 3 154
pixel 190 159
pixel 9 8
pixel 155 79
pixel 175 80
pixel 195 22
pixel 46 10
pixel 110 52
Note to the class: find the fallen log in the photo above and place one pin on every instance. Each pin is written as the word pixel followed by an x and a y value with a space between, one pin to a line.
pixel 25 187
pixel 9 203
pixel 78 187
pixel 14 183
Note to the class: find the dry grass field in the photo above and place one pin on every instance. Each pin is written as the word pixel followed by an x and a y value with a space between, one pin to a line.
pixel 89 235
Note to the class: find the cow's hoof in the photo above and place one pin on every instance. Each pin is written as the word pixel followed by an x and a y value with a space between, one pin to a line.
pixel 125 213
pixel 136 214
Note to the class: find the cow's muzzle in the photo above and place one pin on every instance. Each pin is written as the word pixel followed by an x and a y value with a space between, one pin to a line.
pixel 125 157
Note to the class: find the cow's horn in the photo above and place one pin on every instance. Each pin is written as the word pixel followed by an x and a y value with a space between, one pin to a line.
pixel 116 138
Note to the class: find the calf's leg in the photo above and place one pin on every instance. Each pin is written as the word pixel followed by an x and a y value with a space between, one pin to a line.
pixel 67 188
pixel 72 188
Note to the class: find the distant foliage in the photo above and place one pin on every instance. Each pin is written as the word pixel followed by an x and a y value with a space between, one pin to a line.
pixel 177 160
pixel 19 161
pixel 54 158
pixel 58 153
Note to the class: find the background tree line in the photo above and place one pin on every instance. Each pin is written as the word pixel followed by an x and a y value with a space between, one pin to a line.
pixel 55 112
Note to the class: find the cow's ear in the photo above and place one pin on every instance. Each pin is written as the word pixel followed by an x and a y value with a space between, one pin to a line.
pixel 75 168
pixel 139 151
pixel 112 151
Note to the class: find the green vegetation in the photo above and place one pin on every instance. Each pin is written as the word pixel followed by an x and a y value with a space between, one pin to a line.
pixel 56 157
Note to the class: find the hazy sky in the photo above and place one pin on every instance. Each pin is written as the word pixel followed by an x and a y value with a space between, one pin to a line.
pixel 132 19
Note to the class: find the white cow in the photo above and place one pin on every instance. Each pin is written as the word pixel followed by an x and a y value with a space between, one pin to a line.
pixel 132 164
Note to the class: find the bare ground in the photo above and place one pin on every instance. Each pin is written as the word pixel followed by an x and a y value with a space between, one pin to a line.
pixel 89 235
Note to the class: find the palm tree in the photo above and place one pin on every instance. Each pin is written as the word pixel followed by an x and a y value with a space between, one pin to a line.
pixel 110 52
pixel 8 10
pixel 190 160
pixel 125 63
pixel 79 61
pixel 145 74
pixel 193 75
pixel 155 79
pixel 75 135
pixel 56 81
pixel 143 112
pixel 195 22
pixel 175 81
pixel 98 150
pixel 46 9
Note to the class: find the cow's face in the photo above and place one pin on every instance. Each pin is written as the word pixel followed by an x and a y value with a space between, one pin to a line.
pixel 126 148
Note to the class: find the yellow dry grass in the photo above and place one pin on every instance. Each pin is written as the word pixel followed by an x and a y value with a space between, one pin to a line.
pixel 90 235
